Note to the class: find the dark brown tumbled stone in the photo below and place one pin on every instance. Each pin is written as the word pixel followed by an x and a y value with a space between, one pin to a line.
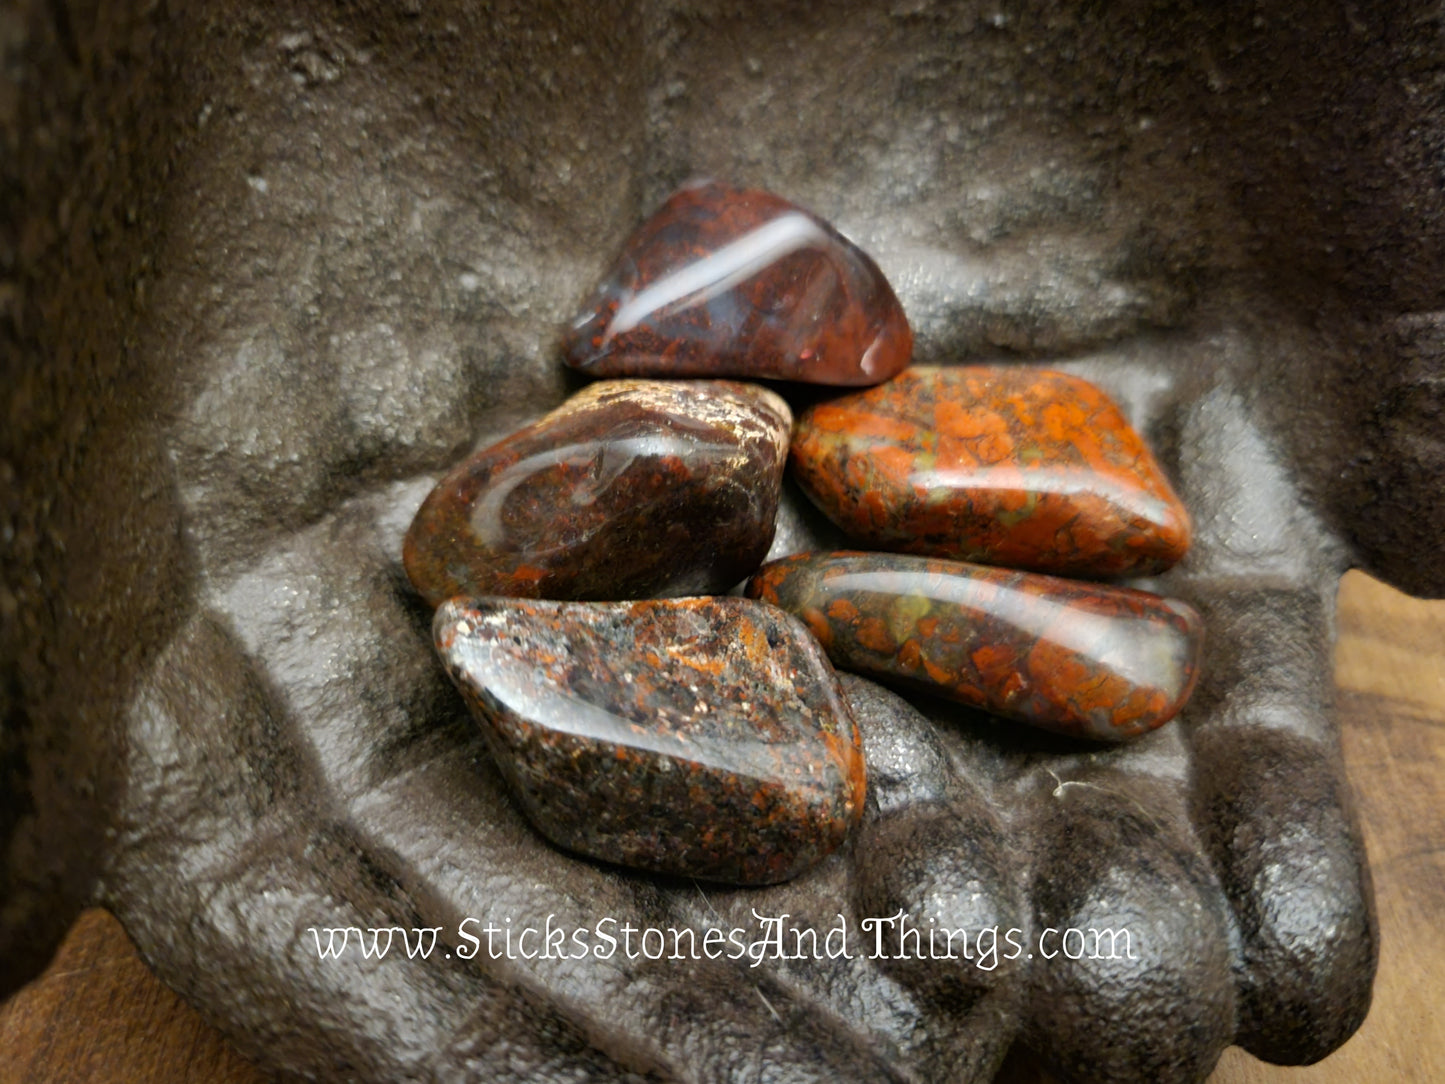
pixel 630 489
pixel 723 281
pixel 704 737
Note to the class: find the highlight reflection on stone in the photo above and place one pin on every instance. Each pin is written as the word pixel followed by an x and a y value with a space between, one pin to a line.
pixel 630 489
pixel 1083 659
pixel 703 737
pixel 729 282
pixel 1011 466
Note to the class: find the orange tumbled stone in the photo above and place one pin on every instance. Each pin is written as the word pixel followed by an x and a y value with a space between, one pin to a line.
pixel 1022 467
pixel 1093 661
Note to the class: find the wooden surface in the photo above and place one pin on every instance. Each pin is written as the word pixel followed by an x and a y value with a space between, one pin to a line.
pixel 97 1015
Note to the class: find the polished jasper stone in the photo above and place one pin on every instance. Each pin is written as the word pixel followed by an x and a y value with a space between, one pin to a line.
pixel 1083 659
pixel 1010 466
pixel 630 489
pixel 729 282
pixel 704 737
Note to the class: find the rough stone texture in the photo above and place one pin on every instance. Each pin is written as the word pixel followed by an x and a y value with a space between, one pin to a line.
pixel 725 282
pixel 1082 659
pixel 630 489
pixel 1013 466
pixel 699 737
pixel 266 272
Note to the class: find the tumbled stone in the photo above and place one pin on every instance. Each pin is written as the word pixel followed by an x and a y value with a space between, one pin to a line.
pixel 729 282
pixel 1083 659
pixel 630 489
pixel 704 737
pixel 1009 466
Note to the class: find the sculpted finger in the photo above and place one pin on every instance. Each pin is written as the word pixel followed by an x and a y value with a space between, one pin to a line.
pixel 1132 928
pixel 935 890
pixel 692 982
pixel 1275 809
pixel 234 876
pixel 1271 800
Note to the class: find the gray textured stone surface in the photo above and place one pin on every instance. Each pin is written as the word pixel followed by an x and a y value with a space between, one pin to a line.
pixel 265 272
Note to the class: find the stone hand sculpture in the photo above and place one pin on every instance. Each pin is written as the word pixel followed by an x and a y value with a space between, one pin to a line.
pixel 274 269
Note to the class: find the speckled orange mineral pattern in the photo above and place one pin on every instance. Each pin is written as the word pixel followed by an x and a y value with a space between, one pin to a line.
pixel 702 737
pixel 1015 466
pixel 1089 660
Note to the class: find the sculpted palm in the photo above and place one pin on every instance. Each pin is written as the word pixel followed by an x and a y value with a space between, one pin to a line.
pixel 372 226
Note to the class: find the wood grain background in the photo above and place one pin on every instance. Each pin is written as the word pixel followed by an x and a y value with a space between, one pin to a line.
pixel 98 1015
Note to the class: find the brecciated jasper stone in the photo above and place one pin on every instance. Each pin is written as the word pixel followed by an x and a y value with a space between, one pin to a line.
pixel 704 737
pixel 729 282
pixel 630 489
pixel 1083 659
pixel 1010 466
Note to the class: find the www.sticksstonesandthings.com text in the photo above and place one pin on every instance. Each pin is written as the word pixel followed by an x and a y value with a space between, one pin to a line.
pixel 774 937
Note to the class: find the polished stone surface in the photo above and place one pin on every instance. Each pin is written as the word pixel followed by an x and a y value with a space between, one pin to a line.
pixel 1087 660
pixel 703 737
pixel 739 282
pixel 1010 466
pixel 630 489
pixel 274 265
